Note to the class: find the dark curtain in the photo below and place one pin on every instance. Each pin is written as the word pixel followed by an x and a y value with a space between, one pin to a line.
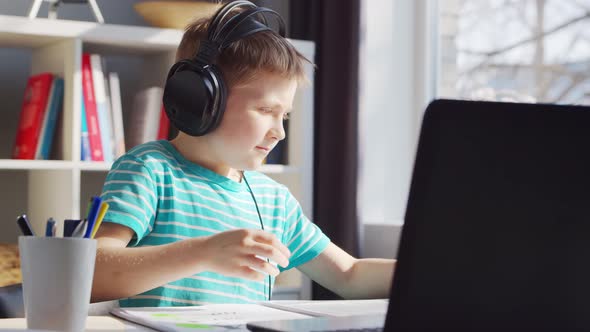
pixel 334 27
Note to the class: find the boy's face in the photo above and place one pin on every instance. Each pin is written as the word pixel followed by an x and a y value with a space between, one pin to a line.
pixel 252 124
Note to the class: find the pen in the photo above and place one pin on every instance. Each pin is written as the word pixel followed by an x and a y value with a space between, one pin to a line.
pixel 89 206
pixel 24 225
pixel 92 216
pixel 69 226
pixel 103 210
pixel 80 229
pixel 50 227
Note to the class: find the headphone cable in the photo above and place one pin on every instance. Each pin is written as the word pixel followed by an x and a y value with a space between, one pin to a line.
pixel 261 225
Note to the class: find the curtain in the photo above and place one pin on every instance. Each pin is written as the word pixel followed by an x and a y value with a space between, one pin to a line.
pixel 334 26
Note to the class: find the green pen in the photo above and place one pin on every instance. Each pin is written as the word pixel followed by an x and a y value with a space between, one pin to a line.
pixel 88 207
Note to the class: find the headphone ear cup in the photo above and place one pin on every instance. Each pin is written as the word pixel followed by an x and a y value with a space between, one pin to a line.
pixel 188 95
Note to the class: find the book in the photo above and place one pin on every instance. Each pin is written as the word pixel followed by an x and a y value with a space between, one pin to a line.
pixel 164 125
pixel 109 113
pixel 233 317
pixel 37 93
pixel 102 107
pixel 44 120
pixel 145 116
pixel 117 113
pixel 85 154
pixel 278 155
pixel 94 138
pixel 110 119
pixel 52 112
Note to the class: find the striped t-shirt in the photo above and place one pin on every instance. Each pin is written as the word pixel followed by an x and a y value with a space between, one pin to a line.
pixel 164 198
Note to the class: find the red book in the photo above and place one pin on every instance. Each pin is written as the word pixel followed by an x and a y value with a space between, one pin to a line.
pixel 164 126
pixel 31 116
pixel 91 113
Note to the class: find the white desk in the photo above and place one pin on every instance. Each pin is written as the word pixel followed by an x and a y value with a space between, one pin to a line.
pixel 93 324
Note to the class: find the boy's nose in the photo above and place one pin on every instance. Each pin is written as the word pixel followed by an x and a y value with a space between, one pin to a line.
pixel 278 131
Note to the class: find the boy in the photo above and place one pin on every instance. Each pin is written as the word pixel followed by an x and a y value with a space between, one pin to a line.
pixel 190 222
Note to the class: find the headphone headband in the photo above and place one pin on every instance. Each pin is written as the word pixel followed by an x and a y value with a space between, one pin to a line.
pixel 220 15
pixel 246 25
pixel 221 33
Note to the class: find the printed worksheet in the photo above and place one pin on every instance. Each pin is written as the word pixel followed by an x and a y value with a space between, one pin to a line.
pixel 215 317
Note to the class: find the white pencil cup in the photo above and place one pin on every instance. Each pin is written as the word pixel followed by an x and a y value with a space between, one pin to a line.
pixel 57 281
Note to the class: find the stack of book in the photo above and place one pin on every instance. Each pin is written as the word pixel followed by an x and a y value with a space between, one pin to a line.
pixel 41 109
pixel 103 133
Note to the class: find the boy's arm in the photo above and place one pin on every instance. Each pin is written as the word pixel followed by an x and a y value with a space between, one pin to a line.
pixel 123 272
pixel 350 277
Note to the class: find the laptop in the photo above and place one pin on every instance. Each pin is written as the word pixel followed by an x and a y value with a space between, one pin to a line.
pixel 497 227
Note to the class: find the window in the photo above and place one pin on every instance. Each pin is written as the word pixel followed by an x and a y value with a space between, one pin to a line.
pixel 413 51
pixel 515 50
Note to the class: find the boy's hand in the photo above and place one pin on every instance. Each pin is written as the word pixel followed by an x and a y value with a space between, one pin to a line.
pixel 234 253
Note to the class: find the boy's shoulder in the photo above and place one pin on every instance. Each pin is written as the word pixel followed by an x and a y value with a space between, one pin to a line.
pixel 149 152
pixel 260 180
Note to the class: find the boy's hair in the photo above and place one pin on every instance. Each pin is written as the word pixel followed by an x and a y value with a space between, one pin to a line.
pixel 243 59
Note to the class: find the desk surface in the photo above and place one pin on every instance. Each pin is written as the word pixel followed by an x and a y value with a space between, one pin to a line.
pixel 93 324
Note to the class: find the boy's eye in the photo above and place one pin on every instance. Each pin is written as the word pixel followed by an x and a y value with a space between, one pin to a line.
pixel 269 110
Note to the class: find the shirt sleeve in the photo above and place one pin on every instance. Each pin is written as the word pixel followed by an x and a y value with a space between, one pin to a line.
pixel 304 239
pixel 130 191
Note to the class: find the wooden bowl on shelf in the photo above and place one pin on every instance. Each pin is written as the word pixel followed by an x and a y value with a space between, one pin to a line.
pixel 174 14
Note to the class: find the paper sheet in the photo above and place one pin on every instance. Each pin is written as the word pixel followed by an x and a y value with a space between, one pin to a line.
pixel 222 317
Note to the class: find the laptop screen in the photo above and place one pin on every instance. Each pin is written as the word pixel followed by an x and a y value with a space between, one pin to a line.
pixel 497 227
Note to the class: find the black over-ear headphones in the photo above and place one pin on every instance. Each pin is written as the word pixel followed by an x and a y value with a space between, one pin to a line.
pixel 195 94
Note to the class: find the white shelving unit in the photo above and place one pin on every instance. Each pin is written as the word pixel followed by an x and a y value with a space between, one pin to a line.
pixel 61 188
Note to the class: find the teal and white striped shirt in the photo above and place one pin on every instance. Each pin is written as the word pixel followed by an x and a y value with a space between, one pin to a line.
pixel 164 198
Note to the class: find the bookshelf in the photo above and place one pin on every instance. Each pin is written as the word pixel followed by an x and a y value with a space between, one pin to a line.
pixel 142 57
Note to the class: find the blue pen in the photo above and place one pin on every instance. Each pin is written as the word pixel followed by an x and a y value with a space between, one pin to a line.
pixel 92 215
pixel 24 225
pixel 50 228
